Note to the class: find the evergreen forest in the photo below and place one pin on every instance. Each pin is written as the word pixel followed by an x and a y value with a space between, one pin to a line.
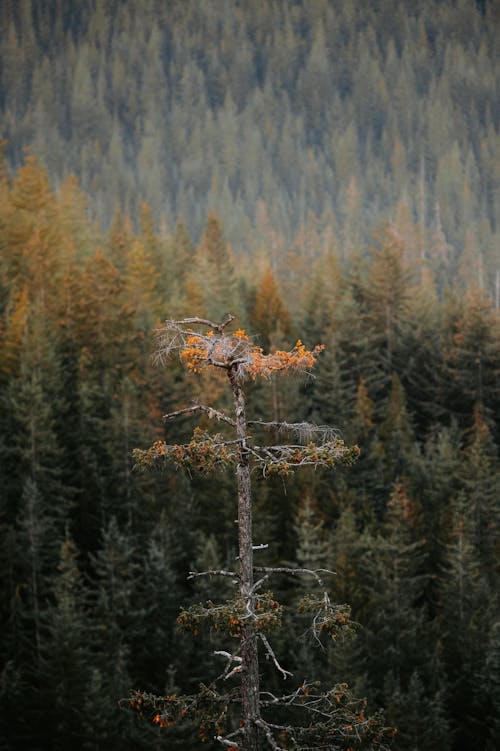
pixel 325 171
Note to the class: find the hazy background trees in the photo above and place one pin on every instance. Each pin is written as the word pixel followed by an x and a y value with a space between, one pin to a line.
pixel 275 114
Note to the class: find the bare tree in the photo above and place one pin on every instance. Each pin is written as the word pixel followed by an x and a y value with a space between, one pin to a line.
pixel 330 719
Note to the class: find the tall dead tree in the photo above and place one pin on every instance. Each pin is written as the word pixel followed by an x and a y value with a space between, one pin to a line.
pixel 331 719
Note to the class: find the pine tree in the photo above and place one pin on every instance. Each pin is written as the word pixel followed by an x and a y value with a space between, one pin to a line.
pixel 115 624
pixel 466 607
pixel 64 670
pixel 472 356
pixel 393 581
pixel 396 433
pixel 268 316
pixel 420 714
pixel 252 613
pixel 213 269
pixel 33 403
pixel 480 476
pixel 312 549
pixel 385 294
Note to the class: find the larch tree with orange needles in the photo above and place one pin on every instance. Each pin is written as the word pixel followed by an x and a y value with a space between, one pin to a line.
pixel 331 719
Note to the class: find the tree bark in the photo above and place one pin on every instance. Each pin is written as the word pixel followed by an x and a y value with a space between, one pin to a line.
pixel 249 653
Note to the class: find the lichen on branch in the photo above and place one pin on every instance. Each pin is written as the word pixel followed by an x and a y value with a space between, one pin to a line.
pixel 207 453
pixel 282 460
pixel 228 618
pixel 328 618
pixel 204 453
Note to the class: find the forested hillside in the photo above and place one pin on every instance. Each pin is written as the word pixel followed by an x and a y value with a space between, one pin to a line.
pixel 93 556
pixel 323 170
pixel 285 117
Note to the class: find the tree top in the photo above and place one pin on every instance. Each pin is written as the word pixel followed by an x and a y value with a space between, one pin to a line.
pixel 235 351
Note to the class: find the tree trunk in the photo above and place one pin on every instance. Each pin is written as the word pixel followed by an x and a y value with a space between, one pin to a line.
pixel 249 654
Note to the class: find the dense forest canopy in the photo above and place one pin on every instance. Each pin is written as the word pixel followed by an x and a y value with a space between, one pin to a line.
pixel 93 556
pixel 284 117
pixel 323 170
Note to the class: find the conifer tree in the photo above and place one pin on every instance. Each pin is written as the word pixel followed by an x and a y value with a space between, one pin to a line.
pixel 393 574
pixel 318 718
pixel 312 549
pixel 421 714
pixel 396 432
pixel 468 609
pixel 268 312
pixel 115 620
pixel 385 294
pixel 480 475
pixel 213 268
pixel 65 657
pixel 472 356
pixel 159 595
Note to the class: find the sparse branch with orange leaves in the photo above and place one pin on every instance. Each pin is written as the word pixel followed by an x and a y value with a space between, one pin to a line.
pixel 230 351
pixel 253 615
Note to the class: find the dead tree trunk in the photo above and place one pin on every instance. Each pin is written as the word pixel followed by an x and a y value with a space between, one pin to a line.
pixel 249 653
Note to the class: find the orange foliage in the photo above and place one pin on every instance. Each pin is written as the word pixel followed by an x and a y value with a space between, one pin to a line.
pixel 298 358
pixel 237 350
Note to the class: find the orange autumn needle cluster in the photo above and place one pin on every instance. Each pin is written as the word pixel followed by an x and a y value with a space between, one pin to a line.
pixel 163 722
pixel 299 358
pixel 194 353
pixel 237 349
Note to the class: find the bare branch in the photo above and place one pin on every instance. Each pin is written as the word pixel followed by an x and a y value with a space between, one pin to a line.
pixel 286 699
pixel 260 582
pixel 210 411
pixel 270 570
pixel 263 546
pixel 205 322
pixel 235 670
pixel 228 655
pixel 211 572
pixel 306 431
pixel 226 740
pixel 318 704
pixel 227 743
pixel 267 732
pixel 227 673
pixel 284 673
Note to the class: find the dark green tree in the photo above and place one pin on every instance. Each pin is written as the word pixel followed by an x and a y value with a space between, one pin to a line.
pixel 115 619
pixel 65 658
